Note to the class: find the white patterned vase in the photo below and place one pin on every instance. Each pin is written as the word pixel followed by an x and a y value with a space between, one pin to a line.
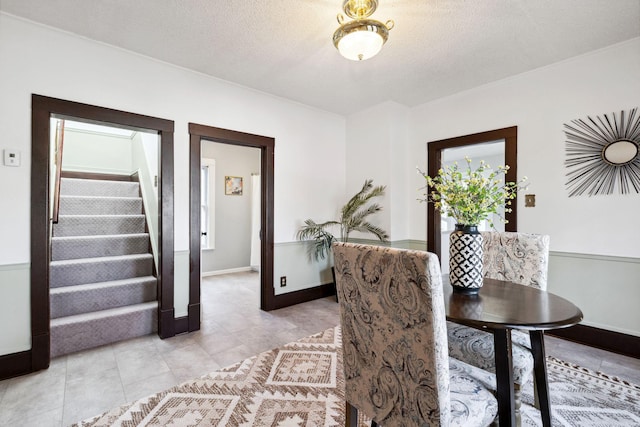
pixel 465 259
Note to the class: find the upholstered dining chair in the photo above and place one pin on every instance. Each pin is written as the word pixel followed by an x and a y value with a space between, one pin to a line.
pixel 519 258
pixel 394 339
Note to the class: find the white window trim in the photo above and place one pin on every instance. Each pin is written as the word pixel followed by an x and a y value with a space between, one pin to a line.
pixel 210 206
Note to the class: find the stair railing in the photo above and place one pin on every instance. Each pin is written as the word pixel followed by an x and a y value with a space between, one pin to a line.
pixel 59 142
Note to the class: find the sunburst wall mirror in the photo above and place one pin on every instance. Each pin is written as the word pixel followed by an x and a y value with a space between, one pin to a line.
pixel 603 154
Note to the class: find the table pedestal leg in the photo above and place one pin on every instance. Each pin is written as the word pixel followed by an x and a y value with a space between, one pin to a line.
pixel 351 415
pixel 504 377
pixel 540 371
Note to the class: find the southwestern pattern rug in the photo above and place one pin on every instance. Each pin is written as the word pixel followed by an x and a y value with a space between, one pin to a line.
pixel 301 384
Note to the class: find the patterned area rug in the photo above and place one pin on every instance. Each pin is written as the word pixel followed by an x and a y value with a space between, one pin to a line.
pixel 301 384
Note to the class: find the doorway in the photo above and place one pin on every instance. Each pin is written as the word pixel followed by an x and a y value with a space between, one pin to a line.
pixel 478 145
pixel 230 241
pixel 198 134
pixel 43 110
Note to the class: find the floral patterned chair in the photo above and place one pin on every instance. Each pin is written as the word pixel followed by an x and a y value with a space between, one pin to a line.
pixel 519 258
pixel 394 339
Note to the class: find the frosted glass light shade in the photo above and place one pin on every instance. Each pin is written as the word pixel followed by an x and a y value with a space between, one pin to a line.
pixel 360 45
pixel 360 40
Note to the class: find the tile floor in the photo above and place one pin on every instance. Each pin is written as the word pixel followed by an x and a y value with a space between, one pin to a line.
pixel 87 383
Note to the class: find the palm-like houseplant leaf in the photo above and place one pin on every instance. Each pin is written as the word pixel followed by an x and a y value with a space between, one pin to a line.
pixel 352 218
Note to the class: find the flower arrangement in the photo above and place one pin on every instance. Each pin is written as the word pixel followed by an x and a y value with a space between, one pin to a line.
pixel 471 196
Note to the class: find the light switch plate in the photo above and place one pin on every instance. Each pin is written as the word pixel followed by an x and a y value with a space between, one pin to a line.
pixel 529 200
pixel 11 157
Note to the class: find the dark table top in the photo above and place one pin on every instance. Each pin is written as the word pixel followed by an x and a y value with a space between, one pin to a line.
pixel 501 305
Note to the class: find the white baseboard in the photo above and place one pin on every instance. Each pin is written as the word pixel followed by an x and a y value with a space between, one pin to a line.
pixel 228 271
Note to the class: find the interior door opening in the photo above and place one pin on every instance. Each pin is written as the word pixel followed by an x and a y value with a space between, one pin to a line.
pixel 230 151
pixel 230 208
pixel 43 110
pixel 497 147
pixel 104 243
pixel 491 153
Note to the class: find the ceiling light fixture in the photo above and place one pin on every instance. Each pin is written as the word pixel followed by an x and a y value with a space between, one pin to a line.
pixel 361 38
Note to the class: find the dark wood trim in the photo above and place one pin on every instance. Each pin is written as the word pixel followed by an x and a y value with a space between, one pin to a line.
pixel 42 109
pixel 166 327
pixel 99 176
pixel 40 226
pixel 268 299
pixel 195 228
pixel 434 163
pixel 304 295
pixel 194 317
pixel 60 108
pixel 15 364
pixel 182 325
pixel 615 342
pixel 433 215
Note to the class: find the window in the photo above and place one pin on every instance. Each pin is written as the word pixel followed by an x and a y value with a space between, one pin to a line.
pixel 207 203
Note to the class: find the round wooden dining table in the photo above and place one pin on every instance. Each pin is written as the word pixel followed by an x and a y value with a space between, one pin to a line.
pixel 501 306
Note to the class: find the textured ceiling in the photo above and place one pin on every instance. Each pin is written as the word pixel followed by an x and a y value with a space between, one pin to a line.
pixel 284 47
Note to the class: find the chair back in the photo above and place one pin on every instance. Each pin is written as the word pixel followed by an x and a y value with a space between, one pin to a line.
pixel 517 257
pixel 394 334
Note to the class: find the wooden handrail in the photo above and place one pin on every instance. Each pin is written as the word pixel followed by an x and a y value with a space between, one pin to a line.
pixel 59 142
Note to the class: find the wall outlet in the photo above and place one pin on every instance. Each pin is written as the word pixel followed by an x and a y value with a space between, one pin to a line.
pixel 283 281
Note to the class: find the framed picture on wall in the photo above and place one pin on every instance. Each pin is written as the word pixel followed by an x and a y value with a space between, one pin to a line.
pixel 233 185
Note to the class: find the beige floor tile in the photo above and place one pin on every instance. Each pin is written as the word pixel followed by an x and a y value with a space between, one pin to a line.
pixel 51 418
pixel 34 394
pixel 185 357
pixel 136 365
pixel 232 355
pixel 174 343
pixel 3 388
pixel 149 386
pixel 91 394
pixel 145 343
pixel 90 361
pixel 216 343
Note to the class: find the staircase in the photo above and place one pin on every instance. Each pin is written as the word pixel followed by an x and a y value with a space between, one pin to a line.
pixel 102 287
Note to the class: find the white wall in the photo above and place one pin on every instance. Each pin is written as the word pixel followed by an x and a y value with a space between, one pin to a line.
pixel 98 153
pixel 377 149
pixel 601 229
pixel 540 102
pixel 307 140
pixel 144 160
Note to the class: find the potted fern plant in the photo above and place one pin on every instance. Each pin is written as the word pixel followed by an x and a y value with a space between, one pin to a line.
pixel 353 217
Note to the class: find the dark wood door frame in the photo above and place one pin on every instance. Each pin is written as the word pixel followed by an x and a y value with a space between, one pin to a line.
pixel 434 153
pixel 198 133
pixel 42 109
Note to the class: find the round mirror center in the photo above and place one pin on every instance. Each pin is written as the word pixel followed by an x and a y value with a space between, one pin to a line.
pixel 620 152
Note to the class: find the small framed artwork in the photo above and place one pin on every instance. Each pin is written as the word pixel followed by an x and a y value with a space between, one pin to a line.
pixel 233 185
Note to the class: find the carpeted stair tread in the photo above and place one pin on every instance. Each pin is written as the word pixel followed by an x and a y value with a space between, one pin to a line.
pixel 74 333
pixel 100 205
pixel 103 314
pixel 78 299
pixel 97 187
pixel 84 225
pixel 101 269
pixel 74 247
pixel 102 288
